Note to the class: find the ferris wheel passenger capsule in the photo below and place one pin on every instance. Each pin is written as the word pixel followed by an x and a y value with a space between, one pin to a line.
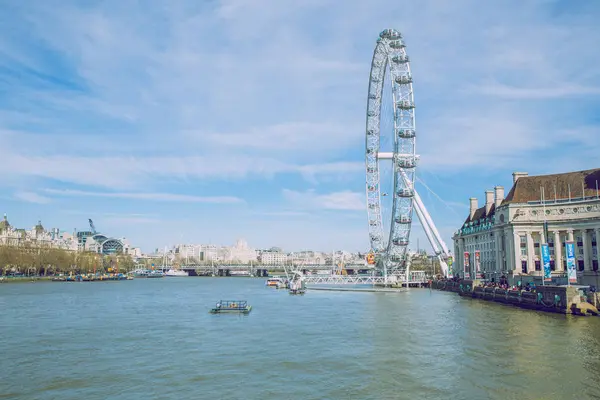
pixel 397 44
pixel 403 220
pixel 390 34
pixel 394 34
pixel 370 132
pixel 407 162
pixel 372 113
pixel 400 59
pixel 404 79
pixel 400 241
pixel 406 133
pixel 405 104
pixel 406 193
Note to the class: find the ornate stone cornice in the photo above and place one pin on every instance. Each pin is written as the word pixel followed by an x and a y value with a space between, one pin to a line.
pixel 559 212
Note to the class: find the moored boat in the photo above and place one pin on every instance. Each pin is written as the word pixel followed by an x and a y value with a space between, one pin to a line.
pixel 176 272
pixel 297 285
pixel 146 273
pixel 275 281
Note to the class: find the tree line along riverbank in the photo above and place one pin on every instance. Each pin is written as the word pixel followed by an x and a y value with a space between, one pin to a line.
pixel 45 261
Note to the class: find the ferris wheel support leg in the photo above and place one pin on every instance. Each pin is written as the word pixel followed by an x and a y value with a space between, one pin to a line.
pixel 426 228
pixel 407 276
pixel 436 233
pixel 430 235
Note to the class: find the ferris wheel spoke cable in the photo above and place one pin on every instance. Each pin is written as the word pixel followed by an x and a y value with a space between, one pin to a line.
pixel 390 54
pixel 438 197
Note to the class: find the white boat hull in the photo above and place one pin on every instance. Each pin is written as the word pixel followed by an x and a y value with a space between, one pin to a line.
pixel 172 272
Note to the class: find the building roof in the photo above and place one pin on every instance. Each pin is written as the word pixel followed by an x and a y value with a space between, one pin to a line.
pixel 480 214
pixel 556 186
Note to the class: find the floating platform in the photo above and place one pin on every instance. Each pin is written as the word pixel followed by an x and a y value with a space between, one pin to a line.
pixel 347 289
pixel 231 306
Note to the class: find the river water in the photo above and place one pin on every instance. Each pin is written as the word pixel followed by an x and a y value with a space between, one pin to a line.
pixel 154 339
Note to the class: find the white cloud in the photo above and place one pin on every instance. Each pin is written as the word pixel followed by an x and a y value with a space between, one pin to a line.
pixel 345 200
pixel 147 196
pixel 295 136
pixel 553 92
pixel 119 221
pixel 31 197
pixel 126 172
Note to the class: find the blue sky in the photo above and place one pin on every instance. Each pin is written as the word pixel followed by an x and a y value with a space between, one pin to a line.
pixel 190 121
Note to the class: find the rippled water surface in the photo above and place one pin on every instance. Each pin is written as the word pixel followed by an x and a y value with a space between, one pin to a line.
pixel 154 339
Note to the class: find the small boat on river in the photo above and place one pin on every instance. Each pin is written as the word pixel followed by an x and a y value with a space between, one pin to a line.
pixel 275 281
pixel 297 285
pixel 176 272
pixel 231 306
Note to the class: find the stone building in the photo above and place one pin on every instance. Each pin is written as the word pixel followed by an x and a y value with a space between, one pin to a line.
pixel 504 235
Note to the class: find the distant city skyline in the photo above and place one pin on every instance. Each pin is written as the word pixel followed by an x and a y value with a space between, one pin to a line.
pixel 149 123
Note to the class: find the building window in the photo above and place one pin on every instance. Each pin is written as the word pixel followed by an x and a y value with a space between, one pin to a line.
pixel 595 265
pixel 538 265
pixel 524 266
pixel 552 265
pixel 580 264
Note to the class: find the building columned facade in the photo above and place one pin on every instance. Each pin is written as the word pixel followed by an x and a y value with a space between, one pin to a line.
pixel 503 237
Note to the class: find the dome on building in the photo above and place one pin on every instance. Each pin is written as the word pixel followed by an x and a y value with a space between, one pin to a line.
pixel 4 224
pixel 39 228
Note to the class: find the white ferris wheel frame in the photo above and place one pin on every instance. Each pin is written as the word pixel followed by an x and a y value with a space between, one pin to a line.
pixel 390 53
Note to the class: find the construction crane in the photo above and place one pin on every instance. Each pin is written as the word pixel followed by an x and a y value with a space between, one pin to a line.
pixel 92 227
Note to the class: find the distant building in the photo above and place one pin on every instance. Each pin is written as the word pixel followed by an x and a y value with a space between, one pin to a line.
pixel 307 258
pixel 37 236
pixel 273 257
pixel 504 235
pixel 209 253
pixel 242 253
pixel 78 241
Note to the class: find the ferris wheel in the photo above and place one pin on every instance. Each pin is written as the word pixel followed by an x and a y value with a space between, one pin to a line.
pixel 389 246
